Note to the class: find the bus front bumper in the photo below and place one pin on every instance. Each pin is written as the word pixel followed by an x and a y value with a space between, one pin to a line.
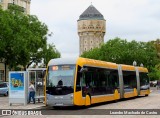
pixel 60 100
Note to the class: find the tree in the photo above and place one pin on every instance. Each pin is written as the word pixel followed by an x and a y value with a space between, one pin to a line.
pixel 123 52
pixel 157 46
pixel 21 37
pixel 50 52
pixel 155 74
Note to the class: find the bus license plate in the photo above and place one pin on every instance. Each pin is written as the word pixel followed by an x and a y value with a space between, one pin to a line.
pixel 59 104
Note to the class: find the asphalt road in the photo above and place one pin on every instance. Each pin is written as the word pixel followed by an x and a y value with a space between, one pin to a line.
pixel 135 106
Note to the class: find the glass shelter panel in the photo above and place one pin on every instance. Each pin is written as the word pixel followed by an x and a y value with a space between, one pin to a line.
pixel 37 77
pixel 39 83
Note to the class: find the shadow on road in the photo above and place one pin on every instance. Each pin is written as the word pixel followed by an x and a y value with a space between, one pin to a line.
pixel 85 107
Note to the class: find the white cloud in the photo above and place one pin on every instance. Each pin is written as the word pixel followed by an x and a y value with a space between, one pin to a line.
pixel 129 19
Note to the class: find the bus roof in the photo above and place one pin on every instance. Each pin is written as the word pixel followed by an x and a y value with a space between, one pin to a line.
pixel 82 62
pixel 62 61
pixel 142 69
pixel 96 63
pixel 128 67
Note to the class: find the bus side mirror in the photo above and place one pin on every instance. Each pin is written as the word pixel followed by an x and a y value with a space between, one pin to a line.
pixel 83 69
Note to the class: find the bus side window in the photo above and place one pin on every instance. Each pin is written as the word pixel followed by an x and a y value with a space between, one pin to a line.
pixel 78 83
pixel 144 81
pixel 88 79
pixel 78 79
pixel 83 80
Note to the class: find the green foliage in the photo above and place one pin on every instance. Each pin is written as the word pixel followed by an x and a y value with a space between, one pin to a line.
pixel 155 71
pixel 50 52
pixel 22 38
pixel 157 46
pixel 123 52
pixel 93 54
pixel 15 8
pixel 154 74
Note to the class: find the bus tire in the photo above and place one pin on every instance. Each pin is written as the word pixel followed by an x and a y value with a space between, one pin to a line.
pixel 56 107
pixel 146 95
pixel 88 100
pixel 115 101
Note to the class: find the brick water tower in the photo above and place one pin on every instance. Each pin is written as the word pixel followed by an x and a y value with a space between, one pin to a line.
pixel 91 29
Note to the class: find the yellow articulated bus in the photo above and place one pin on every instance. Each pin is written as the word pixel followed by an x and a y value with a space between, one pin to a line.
pixel 85 81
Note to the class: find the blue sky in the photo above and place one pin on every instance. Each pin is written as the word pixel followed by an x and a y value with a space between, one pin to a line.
pixel 128 19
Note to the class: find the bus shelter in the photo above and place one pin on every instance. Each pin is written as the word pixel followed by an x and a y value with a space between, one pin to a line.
pixel 36 75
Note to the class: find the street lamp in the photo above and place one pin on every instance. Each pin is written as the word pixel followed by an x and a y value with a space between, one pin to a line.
pixel 134 63
pixel 141 65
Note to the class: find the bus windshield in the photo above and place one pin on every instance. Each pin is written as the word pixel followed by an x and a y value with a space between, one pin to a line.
pixel 60 76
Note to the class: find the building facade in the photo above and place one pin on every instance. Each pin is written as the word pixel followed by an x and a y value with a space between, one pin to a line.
pixel 91 29
pixel 24 5
pixel 2 72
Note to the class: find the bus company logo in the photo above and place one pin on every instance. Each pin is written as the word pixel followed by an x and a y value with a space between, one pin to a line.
pixel 6 112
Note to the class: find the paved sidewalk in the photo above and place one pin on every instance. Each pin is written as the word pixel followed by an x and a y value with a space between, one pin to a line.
pixel 4 104
pixel 28 106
